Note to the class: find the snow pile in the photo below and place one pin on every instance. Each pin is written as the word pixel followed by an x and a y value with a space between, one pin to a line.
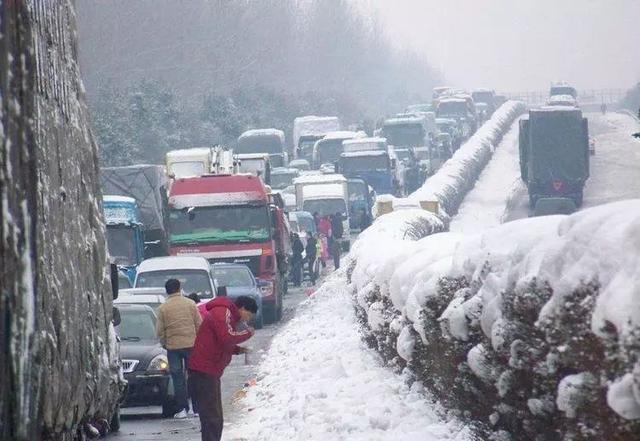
pixel 459 174
pixel 532 327
pixel 318 381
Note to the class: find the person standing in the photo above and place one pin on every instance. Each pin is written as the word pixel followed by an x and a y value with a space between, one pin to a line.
pixel 176 327
pixel 296 259
pixel 311 250
pixel 217 341
pixel 337 230
pixel 335 247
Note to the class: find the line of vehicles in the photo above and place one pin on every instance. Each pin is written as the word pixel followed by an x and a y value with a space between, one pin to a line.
pixel 221 220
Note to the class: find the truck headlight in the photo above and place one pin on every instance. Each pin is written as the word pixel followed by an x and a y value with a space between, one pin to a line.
pixel 159 364
pixel 266 289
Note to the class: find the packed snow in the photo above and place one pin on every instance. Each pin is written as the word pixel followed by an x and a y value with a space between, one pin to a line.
pixel 318 381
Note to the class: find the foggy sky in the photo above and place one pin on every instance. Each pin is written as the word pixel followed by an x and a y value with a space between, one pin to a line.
pixel 518 45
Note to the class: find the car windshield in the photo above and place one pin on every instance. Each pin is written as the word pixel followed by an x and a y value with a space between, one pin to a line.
pixel 329 150
pixel 259 144
pixel 137 324
pixel 233 277
pixel 404 134
pixel 219 224
pixel 282 180
pixel 358 191
pixel 187 168
pixel 306 223
pixel 325 207
pixel 190 280
pixel 364 163
pixel 452 108
pixel 121 243
pixel 253 166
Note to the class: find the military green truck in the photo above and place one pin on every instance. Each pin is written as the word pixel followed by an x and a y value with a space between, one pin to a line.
pixel 554 156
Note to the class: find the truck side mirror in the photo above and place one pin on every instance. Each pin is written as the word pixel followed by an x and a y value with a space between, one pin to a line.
pixel 115 282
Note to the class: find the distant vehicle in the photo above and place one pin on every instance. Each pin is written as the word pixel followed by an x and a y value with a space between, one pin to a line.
pixel 376 167
pixel 232 218
pixel 440 91
pixel 282 177
pixel 269 141
pixel 147 184
pixel 487 97
pixel 188 162
pixel 301 164
pixel 125 232
pixel 562 100
pixel 361 199
pixel 239 281
pixel 419 108
pixel 326 195
pixel 364 144
pixel 144 361
pixel 482 111
pixel 193 272
pixel 462 111
pixel 554 154
pixel 453 128
pixel 563 89
pixel 257 164
pixel 408 131
pixel 327 150
pixel 307 130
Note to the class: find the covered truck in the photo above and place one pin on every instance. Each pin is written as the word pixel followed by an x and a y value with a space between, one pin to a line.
pixel 147 184
pixel 125 235
pixel 309 129
pixel 554 153
pixel 231 218
pixel 269 141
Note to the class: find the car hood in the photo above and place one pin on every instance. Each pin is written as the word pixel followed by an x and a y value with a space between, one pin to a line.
pixel 238 291
pixel 143 351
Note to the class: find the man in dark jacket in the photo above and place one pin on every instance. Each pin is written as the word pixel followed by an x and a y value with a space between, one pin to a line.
pixel 337 230
pixel 296 259
pixel 311 251
pixel 217 341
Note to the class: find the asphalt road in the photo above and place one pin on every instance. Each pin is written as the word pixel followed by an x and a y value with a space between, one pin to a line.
pixel 146 423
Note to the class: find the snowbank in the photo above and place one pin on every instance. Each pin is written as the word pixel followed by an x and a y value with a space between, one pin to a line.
pixel 459 174
pixel 532 327
pixel 318 381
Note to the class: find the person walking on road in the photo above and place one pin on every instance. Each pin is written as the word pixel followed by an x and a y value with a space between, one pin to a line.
pixel 335 247
pixel 176 326
pixel 337 230
pixel 217 341
pixel 311 250
pixel 296 259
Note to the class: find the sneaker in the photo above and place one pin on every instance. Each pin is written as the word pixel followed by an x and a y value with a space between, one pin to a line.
pixel 192 414
pixel 180 415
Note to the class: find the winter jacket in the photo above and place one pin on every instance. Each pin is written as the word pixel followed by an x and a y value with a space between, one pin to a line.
pixel 178 322
pixel 297 249
pixel 337 230
pixel 217 338
pixel 312 248
pixel 324 226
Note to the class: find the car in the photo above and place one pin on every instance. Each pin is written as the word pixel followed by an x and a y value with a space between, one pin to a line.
pixel 239 281
pixel 152 297
pixel 193 272
pixel 144 362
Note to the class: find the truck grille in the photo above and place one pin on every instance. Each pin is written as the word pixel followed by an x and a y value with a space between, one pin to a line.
pixel 253 262
pixel 129 365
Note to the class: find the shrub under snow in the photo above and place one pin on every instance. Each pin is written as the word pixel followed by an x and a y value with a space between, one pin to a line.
pixel 532 327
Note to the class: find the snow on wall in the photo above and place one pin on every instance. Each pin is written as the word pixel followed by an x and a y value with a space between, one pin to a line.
pixel 531 327
pixel 60 362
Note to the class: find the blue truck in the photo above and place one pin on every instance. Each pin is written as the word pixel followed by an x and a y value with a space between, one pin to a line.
pixel 376 167
pixel 125 236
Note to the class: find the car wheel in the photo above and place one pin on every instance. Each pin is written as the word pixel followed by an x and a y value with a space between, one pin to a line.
pixel 114 424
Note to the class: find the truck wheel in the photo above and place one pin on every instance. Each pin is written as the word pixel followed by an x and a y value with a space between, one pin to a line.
pixel 114 424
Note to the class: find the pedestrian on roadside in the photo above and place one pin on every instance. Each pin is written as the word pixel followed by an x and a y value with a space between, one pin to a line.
pixel 335 247
pixel 217 341
pixel 296 259
pixel 316 219
pixel 176 326
pixel 324 226
pixel 311 250
pixel 337 230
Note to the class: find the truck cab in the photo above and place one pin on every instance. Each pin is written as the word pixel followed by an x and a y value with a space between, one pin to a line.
pixel 258 164
pixel 125 236
pixel 188 162
pixel 376 167
pixel 307 130
pixel 328 149
pixel 230 218
pixel 361 197
pixel 266 141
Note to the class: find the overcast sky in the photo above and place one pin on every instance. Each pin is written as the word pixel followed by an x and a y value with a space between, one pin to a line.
pixel 516 45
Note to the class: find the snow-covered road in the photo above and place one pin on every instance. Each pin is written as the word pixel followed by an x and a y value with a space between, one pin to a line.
pixel 318 381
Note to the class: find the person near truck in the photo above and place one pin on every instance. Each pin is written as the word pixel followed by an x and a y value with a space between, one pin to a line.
pixel 337 230
pixel 176 326
pixel 216 343
pixel 311 250
pixel 335 249
pixel 296 259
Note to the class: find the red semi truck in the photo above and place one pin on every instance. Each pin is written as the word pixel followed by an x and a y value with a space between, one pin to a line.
pixel 231 218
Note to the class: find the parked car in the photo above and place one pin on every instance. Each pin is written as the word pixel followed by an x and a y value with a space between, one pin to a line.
pixel 152 297
pixel 239 281
pixel 144 361
pixel 193 272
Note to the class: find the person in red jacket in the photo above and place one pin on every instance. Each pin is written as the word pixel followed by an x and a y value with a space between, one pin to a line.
pixel 216 342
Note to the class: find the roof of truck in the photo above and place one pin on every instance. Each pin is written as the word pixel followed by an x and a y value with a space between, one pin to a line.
pixel 320 179
pixel 217 190
pixel 342 134
pixel 263 132
pixel 364 153
pixel 188 153
pixel 407 119
pixel 324 191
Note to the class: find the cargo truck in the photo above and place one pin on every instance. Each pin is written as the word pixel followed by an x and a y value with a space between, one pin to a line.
pixel 125 235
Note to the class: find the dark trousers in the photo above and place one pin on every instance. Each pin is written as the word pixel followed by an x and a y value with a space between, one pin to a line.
pixel 312 270
pixel 206 389
pixel 297 271
pixel 336 260
pixel 178 359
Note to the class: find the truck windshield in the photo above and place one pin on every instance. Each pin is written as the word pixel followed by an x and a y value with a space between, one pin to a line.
pixel 191 280
pixel 233 277
pixel 137 324
pixel 187 168
pixel 404 134
pixel 365 163
pixel 329 150
pixel 358 191
pixel 482 97
pixel 259 144
pixel 325 207
pixel 282 180
pixel 456 109
pixel 121 244
pixel 253 166
pixel 563 90
pixel 219 224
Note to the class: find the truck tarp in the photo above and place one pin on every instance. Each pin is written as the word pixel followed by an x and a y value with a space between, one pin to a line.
pixel 147 184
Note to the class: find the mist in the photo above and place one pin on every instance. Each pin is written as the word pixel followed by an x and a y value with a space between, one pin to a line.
pixel 521 45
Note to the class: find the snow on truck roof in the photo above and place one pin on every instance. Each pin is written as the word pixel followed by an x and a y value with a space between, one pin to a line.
pixel 400 120
pixel 263 132
pixel 373 140
pixel 320 179
pixel 453 100
pixel 342 134
pixel 547 109
pixel 121 199
pixel 212 190
pixel 364 153
pixel 190 152
pixel 324 191
pixel 173 263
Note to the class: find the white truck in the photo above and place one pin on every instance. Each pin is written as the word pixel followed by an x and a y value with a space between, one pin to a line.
pixel 309 129
pixel 198 161
pixel 325 195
